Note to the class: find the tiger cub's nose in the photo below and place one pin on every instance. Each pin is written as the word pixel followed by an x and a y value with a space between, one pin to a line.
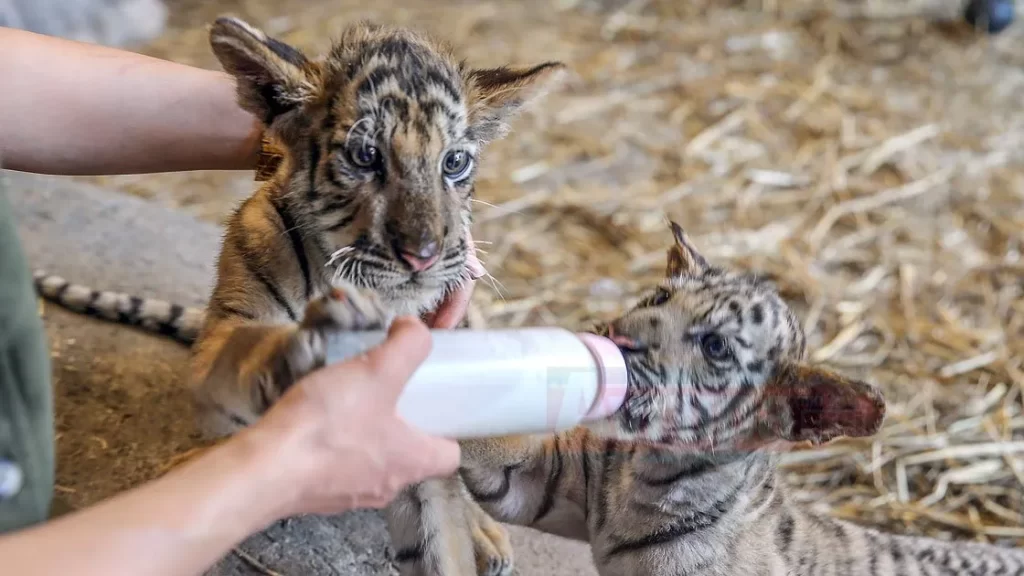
pixel 418 255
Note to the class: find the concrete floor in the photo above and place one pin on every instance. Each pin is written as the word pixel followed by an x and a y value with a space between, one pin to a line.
pixel 122 411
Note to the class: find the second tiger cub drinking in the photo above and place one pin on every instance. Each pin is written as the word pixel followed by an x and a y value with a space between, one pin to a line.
pixel 683 479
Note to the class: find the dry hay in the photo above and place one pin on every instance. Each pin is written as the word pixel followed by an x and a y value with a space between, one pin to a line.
pixel 870 162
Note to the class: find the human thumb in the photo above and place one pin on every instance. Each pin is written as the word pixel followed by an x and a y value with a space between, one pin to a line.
pixel 428 455
pixel 394 361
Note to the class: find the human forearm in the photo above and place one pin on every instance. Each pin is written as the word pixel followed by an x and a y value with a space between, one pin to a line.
pixel 333 442
pixel 176 526
pixel 72 108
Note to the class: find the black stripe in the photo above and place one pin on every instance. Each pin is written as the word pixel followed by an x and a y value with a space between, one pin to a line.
pixel 606 467
pixel 840 553
pixel 264 400
pixel 730 408
pixel 90 306
pixel 441 79
pixel 897 555
pixel 703 416
pixel 234 418
pixel 393 48
pixel 135 309
pixel 335 204
pixel 274 293
pixel 232 311
pixel 297 246
pixel 688 524
pixel 501 492
pixel 451 264
pixel 375 78
pixel 286 52
pixel 314 162
pixel 689 470
pixel 873 551
pixel 784 534
pixel 810 561
pixel 320 246
pixel 554 476
pixel 431 109
pixel 59 294
pixel 343 222
pixel 419 123
pixel 397 106
pixel 247 261
pixel 333 176
pixel 412 554
pixel 332 119
pixel 275 105
pixel 168 328
pixel 585 462
pixel 131 316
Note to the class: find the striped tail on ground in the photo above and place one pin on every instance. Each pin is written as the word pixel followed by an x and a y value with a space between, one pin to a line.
pixel 178 322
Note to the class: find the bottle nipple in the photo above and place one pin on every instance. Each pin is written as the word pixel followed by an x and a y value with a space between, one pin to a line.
pixel 612 374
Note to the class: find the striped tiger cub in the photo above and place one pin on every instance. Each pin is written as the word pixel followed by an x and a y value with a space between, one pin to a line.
pixel 380 139
pixel 683 479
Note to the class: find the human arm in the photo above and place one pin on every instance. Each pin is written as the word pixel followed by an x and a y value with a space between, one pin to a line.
pixel 72 108
pixel 332 443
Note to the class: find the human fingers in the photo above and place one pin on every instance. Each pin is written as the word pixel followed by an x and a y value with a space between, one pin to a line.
pixel 395 360
pixel 453 308
pixel 424 456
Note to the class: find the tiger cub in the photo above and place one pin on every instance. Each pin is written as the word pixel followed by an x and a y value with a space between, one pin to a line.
pixel 682 480
pixel 381 139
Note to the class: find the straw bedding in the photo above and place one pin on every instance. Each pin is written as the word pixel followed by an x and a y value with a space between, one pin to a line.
pixel 866 154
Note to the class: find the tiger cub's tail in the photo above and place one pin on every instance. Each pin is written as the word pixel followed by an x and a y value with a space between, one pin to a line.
pixel 178 322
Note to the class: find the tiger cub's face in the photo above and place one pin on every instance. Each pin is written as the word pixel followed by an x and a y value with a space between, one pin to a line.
pixel 715 363
pixel 383 136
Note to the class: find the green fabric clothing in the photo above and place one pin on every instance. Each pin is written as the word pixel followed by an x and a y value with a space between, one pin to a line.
pixel 26 396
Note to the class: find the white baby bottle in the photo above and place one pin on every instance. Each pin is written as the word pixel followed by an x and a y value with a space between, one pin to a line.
pixel 481 383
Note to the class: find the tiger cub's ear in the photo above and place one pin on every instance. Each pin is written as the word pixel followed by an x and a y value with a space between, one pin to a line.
pixel 809 403
pixel 495 95
pixel 273 78
pixel 683 258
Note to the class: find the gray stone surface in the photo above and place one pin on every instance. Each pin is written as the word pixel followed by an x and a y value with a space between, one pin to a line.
pixel 122 410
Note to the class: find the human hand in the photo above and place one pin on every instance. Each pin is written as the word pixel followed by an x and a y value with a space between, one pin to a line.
pixel 335 436
pixel 453 308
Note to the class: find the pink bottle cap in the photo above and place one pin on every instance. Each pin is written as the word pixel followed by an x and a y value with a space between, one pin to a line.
pixel 612 372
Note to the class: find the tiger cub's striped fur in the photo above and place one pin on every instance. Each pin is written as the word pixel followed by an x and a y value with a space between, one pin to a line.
pixel 380 139
pixel 683 481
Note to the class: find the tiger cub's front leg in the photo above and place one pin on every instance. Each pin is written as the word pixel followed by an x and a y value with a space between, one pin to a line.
pixel 437 529
pixel 246 366
pixel 546 482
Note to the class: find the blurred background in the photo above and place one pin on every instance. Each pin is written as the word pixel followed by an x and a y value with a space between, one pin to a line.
pixel 867 155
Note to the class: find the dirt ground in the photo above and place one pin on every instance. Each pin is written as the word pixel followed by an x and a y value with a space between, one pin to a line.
pixel 874 167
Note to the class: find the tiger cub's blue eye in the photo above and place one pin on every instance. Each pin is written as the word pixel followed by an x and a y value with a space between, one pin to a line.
pixel 660 297
pixel 714 346
pixel 366 156
pixel 455 164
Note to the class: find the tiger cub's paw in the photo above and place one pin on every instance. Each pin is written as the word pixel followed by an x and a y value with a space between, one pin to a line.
pixel 345 309
pixel 492 546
